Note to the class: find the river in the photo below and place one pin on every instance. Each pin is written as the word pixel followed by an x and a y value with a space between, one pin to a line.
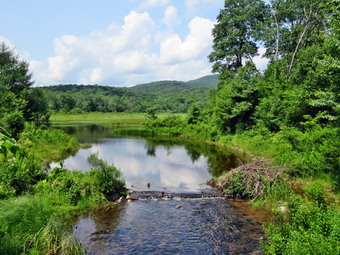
pixel 176 223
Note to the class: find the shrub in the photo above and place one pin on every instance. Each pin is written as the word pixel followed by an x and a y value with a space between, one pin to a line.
pixel 306 228
pixel 108 179
pixel 18 175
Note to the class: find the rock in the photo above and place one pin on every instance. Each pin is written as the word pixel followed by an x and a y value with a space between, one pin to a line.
pixel 128 197
pixel 121 199
pixel 283 209
pixel 178 206
pixel 114 197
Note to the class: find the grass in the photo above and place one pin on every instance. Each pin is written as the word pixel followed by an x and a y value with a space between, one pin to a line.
pixel 32 225
pixel 48 144
pixel 106 119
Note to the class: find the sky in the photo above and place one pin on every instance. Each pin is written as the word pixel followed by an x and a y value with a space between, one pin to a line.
pixel 112 42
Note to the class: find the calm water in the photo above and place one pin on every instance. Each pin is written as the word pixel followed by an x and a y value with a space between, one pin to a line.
pixel 169 165
pixel 156 226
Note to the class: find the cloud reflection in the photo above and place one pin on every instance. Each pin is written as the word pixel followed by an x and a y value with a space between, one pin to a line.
pixel 170 170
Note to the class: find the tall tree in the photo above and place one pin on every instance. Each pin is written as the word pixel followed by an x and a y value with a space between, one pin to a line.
pixel 294 25
pixel 18 102
pixel 236 34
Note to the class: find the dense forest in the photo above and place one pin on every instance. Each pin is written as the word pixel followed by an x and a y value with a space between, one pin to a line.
pixel 163 96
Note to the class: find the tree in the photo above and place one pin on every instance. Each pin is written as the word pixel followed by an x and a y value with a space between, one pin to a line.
pixel 294 25
pixel 236 99
pixel 236 34
pixel 18 101
pixel 194 113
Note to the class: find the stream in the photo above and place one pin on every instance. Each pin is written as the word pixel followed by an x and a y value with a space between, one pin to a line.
pixel 179 215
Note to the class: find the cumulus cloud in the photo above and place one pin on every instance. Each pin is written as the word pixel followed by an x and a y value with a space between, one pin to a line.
pixel 170 16
pixel 135 52
pixel 194 46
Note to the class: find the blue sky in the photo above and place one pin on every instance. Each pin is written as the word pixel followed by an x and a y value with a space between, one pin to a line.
pixel 111 42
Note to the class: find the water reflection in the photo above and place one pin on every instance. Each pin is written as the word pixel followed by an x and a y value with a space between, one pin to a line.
pixel 201 226
pixel 171 165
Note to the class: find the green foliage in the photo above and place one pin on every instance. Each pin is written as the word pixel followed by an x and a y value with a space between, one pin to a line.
pixel 236 34
pixel 236 185
pixel 168 121
pixel 306 228
pixel 18 102
pixel 101 183
pixel 151 113
pixel 164 96
pixel 8 145
pixel 236 99
pixel 18 175
pixel 29 225
pixel 53 239
pixel 193 114
pixel 47 144
pixel 109 180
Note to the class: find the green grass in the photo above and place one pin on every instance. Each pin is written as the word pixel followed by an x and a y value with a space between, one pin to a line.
pixel 106 119
pixel 32 225
pixel 48 145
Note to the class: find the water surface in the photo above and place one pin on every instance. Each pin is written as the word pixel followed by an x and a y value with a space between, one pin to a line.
pixel 172 225
pixel 169 165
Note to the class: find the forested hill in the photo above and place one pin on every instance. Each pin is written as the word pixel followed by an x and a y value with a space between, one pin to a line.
pixel 174 96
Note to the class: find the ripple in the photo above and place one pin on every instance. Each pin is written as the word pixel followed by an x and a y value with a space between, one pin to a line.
pixel 200 226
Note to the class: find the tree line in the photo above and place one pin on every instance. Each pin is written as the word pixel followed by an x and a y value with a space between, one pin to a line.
pixel 163 96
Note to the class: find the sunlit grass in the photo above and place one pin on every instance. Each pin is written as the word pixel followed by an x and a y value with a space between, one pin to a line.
pixel 107 119
pixel 32 223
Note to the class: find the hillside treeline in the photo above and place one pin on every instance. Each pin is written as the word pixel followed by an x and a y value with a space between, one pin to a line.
pixel 163 96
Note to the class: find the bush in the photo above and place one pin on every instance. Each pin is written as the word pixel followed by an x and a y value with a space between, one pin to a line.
pixel 18 175
pixel 306 228
pixel 48 144
pixel 108 179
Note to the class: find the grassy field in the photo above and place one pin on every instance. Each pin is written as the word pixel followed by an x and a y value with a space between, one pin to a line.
pixel 106 119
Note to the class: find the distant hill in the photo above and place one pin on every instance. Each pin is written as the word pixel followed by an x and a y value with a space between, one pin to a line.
pixel 209 81
pixel 174 96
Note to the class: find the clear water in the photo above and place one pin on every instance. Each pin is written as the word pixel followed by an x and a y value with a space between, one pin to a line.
pixel 158 226
pixel 200 226
pixel 169 165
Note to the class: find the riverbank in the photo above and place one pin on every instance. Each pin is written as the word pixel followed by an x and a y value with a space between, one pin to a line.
pixel 37 207
pixel 303 181
pixel 305 209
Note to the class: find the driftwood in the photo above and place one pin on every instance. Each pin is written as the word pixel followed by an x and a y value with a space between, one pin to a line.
pixel 248 180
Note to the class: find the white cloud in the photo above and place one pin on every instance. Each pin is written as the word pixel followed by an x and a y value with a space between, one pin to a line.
pixel 260 61
pixel 195 46
pixel 137 51
pixel 23 55
pixel 170 16
pixel 7 42
pixel 147 4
